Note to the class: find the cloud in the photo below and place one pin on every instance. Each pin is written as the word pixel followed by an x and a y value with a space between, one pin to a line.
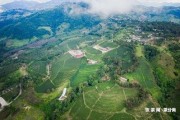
pixel 157 3
pixel 110 7
pixel 144 1
pixel 160 1
pixel 40 1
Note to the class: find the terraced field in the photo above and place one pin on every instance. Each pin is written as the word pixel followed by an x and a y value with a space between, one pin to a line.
pixel 83 73
pixel 103 101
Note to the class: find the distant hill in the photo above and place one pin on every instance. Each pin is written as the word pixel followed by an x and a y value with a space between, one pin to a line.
pixel 166 13
pixel 31 5
pixel 28 26
pixel 14 14
pixel 20 5
pixel 76 15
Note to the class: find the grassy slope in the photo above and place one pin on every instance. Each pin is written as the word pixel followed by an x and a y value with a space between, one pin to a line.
pixel 144 74
pixel 101 101
pixel 83 73
pixel 108 44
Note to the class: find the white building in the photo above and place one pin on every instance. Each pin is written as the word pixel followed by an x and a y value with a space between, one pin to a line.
pixel 123 80
pixel 3 103
pixel 63 96
pixel 92 61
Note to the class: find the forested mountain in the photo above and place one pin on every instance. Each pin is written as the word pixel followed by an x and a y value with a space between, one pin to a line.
pixel 51 18
pixel 20 5
pixel 63 14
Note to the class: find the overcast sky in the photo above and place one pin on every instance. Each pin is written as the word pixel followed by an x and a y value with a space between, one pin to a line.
pixel 161 1
pixel 151 1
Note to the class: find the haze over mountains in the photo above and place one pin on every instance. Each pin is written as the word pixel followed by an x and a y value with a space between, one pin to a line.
pixel 99 7
pixel 30 5
pixel 108 6
pixel 75 14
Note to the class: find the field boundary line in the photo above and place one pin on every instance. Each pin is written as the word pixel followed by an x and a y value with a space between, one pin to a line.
pixel 99 111
pixel 89 115
pixel 85 102
pixel 98 99
pixel 124 94
pixel 110 116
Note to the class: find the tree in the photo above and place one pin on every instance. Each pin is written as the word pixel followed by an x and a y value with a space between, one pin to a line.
pixel 150 52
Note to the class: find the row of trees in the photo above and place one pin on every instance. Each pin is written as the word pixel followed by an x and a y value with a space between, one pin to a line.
pixel 166 84
pixel 175 48
pixel 137 100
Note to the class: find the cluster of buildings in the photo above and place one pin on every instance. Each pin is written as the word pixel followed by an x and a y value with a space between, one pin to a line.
pixel 77 53
pixel 80 54
pixel 102 49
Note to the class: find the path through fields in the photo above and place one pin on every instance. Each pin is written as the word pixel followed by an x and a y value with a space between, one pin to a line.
pixel 104 112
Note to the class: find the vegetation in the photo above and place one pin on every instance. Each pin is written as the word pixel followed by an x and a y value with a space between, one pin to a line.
pixel 141 68
pixel 164 29
pixel 136 101
pixel 174 48
pixel 150 52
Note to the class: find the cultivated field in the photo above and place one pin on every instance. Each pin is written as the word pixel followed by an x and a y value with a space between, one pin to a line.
pixel 103 101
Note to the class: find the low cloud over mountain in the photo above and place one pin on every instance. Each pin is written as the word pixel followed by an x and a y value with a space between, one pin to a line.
pixel 100 7
pixel 110 7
